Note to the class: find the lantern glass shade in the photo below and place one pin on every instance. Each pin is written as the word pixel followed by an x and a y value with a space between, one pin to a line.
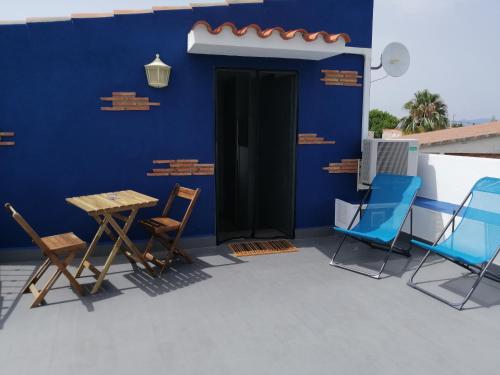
pixel 158 73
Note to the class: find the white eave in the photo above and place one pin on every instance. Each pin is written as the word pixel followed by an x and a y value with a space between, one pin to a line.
pixel 251 44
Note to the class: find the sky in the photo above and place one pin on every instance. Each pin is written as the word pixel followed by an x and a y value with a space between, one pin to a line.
pixel 454 47
pixel 455 52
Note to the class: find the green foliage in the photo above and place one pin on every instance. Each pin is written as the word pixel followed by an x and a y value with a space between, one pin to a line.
pixel 380 120
pixel 427 112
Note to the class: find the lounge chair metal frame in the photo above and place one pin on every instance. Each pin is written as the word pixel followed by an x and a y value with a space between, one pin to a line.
pixel 390 249
pixel 479 271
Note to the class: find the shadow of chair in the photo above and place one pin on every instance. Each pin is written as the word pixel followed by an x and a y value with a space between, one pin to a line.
pixel 14 276
pixel 174 278
pixel 183 275
pixel 12 279
pixel 369 258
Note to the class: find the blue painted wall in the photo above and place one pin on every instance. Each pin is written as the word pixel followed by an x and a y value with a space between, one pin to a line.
pixel 52 75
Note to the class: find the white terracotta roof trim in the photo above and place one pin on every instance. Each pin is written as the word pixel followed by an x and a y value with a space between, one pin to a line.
pixel 121 12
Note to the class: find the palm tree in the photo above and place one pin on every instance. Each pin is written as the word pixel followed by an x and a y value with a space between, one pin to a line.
pixel 427 112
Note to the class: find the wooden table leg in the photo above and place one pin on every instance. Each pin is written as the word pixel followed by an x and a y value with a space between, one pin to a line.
pixel 83 264
pixel 108 263
pixel 113 238
pixel 108 218
pixel 108 231
pixel 122 233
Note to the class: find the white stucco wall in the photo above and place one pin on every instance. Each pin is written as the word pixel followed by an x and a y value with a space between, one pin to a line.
pixel 448 179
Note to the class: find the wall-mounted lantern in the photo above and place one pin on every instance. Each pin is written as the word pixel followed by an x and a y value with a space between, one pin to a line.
pixel 158 73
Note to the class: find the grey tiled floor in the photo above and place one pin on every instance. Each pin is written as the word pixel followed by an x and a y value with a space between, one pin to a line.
pixel 277 314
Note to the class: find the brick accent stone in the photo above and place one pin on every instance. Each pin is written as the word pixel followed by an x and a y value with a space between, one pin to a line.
pixel 182 167
pixel 345 166
pixel 8 142
pixel 128 101
pixel 313 139
pixel 341 78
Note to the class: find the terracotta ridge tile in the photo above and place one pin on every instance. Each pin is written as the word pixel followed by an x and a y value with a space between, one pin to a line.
pixel 266 33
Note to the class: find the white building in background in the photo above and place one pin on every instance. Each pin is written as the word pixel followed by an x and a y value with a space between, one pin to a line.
pixel 474 140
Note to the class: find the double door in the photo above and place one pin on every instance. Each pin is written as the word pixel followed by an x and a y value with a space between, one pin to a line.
pixel 256 133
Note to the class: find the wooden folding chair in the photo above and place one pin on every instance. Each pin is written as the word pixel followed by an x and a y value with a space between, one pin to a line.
pixel 59 250
pixel 160 226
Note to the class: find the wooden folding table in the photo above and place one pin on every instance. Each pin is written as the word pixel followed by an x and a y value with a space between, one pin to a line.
pixel 105 208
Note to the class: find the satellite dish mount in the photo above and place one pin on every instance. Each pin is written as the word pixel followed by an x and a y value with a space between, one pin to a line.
pixel 395 60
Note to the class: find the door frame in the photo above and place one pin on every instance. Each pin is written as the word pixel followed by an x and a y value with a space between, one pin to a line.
pixel 294 145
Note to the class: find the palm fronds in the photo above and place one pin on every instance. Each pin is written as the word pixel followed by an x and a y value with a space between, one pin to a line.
pixel 426 112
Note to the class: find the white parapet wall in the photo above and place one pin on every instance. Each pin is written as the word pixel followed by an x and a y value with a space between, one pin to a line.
pixel 447 179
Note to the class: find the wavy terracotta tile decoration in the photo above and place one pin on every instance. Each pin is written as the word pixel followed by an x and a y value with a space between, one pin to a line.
pixel 266 33
pixel 182 167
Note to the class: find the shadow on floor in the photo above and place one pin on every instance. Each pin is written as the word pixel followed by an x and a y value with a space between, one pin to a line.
pixel 12 280
pixel 181 275
pixel 360 255
pixel 174 278
pixel 14 276
pixel 455 288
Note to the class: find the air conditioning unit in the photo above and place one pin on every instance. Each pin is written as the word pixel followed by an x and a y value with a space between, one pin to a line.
pixel 395 156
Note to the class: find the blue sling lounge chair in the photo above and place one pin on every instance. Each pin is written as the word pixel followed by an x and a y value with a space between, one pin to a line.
pixel 390 199
pixel 475 242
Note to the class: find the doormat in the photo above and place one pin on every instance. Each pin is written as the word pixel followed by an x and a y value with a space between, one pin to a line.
pixel 246 249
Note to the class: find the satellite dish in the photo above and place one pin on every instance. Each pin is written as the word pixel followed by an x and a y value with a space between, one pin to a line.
pixel 395 59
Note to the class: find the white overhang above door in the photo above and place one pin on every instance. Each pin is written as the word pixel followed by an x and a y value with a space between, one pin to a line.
pixel 252 41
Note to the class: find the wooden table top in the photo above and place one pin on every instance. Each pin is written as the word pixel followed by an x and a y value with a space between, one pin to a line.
pixel 112 202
